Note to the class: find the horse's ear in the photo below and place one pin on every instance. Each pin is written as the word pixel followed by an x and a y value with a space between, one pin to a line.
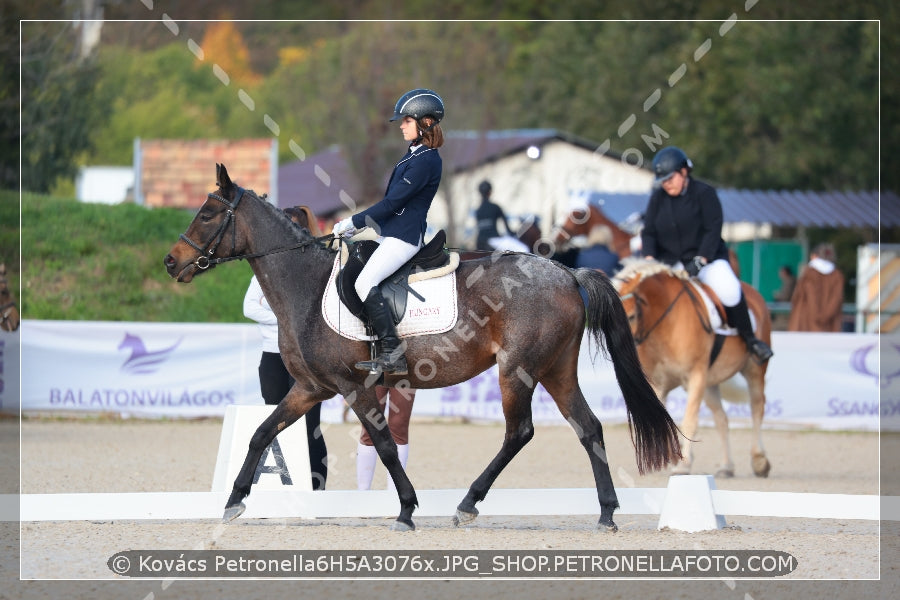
pixel 222 178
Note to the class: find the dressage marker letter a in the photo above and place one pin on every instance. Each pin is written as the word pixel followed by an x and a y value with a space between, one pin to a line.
pixel 289 449
pixel 279 468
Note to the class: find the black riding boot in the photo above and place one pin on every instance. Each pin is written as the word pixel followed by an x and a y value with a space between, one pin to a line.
pixel 739 318
pixel 391 359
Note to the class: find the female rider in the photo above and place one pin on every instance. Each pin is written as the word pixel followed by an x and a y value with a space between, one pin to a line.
pixel 399 218
pixel 683 228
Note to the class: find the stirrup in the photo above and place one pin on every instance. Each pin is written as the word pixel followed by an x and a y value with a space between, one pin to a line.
pixel 383 365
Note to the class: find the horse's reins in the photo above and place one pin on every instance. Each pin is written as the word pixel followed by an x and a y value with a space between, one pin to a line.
pixel 642 335
pixel 205 260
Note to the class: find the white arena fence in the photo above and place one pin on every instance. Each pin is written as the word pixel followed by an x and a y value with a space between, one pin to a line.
pixel 829 381
pixel 283 490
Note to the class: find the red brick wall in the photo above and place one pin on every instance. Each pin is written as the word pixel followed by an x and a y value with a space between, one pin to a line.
pixel 180 173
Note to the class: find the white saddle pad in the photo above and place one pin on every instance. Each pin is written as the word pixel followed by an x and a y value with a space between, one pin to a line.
pixel 715 319
pixel 436 315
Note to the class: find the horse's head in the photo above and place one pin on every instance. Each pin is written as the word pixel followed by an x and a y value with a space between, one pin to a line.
pixel 578 222
pixel 9 312
pixel 212 233
pixel 643 283
pixel 303 216
pixel 529 233
pixel 582 219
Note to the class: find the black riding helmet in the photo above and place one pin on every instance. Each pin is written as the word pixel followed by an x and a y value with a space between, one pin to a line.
pixel 484 188
pixel 669 161
pixel 419 103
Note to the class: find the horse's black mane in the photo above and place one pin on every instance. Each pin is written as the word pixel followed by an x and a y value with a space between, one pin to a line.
pixel 280 214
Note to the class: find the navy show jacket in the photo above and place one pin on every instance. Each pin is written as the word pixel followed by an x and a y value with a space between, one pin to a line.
pixel 403 210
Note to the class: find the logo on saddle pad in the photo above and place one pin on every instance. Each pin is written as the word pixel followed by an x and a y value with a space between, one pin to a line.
pixel 430 306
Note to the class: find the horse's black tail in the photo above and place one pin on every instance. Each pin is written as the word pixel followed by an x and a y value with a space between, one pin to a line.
pixel 654 433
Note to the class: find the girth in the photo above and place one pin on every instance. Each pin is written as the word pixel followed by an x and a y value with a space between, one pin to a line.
pixel 395 289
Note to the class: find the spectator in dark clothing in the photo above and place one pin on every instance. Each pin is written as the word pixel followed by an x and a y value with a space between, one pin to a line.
pixel 597 254
pixel 486 216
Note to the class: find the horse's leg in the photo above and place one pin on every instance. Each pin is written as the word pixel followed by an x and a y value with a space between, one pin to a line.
pixel 713 399
pixel 293 406
pixel 365 404
pixel 519 430
pixel 696 386
pixel 756 376
pixel 574 408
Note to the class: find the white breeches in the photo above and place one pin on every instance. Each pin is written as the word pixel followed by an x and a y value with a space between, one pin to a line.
pixel 387 258
pixel 721 278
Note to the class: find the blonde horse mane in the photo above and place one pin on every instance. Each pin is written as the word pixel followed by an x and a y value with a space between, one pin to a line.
pixel 638 268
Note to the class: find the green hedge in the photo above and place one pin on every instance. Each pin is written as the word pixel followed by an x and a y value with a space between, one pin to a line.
pixel 105 263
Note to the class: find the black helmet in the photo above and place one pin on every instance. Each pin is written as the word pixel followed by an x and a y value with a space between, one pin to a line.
pixel 484 188
pixel 667 162
pixel 419 103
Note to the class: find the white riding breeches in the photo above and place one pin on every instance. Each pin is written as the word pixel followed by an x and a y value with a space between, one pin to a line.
pixel 719 276
pixel 387 258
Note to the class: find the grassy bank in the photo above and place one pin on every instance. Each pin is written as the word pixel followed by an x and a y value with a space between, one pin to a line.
pixel 98 262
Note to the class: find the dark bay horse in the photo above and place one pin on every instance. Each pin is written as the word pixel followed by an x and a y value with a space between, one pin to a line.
pixel 675 338
pixel 9 311
pixel 519 311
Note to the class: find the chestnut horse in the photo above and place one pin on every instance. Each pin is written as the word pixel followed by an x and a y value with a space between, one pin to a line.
pixel 675 341
pixel 9 311
pixel 504 303
pixel 580 221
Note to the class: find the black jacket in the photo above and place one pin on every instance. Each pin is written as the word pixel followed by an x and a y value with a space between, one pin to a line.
pixel 678 228
pixel 486 215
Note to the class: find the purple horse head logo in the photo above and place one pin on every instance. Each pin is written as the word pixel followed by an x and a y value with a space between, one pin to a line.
pixel 143 361
pixel 865 361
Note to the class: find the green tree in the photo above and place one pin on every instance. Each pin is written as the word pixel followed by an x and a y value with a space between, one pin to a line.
pixel 59 104
pixel 781 105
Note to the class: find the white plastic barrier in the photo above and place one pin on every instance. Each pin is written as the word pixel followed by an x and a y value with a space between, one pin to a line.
pixel 676 504
pixel 284 465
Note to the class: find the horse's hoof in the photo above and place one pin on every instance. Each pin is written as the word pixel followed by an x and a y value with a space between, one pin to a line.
pixel 463 518
pixel 403 526
pixel 609 527
pixel 725 473
pixel 761 465
pixel 233 512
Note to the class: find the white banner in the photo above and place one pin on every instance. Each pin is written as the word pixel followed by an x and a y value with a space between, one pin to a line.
pixel 142 369
pixel 828 381
pixel 824 380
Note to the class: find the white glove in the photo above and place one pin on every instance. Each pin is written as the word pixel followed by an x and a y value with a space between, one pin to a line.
pixel 344 228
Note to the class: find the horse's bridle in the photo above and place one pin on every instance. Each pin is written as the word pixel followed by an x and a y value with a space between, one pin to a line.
pixel 204 259
pixel 641 335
